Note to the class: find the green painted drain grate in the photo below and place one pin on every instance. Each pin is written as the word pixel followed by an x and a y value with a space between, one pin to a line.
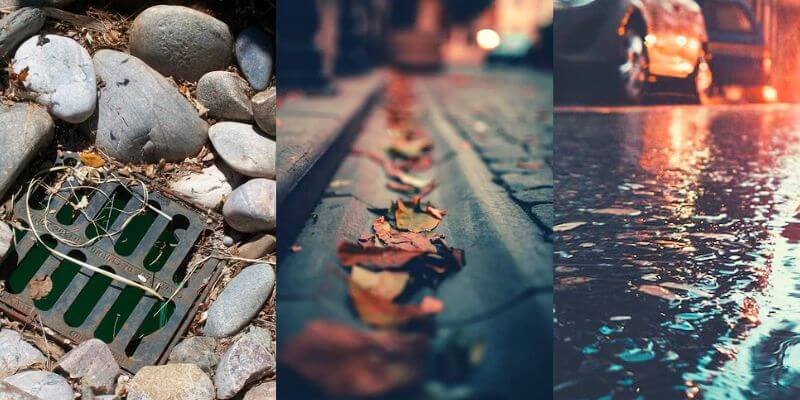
pixel 82 304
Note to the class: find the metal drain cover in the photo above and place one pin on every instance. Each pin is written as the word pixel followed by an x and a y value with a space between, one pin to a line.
pixel 82 304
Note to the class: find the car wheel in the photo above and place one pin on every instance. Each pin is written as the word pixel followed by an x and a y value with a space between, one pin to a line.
pixel 700 82
pixel 634 72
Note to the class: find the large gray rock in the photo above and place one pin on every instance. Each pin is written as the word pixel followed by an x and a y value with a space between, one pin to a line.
pixel 197 350
pixel 93 364
pixel 247 360
pixel 171 382
pixel 10 392
pixel 35 3
pixel 264 110
pixel 241 300
pixel 60 76
pixel 181 42
pixel 24 130
pixel 208 188
pixel 42 384
pixel 18 26
pixel 6 241
pixel 255 52
pixel 17 354
pixel 247 152
pixel 225 95
pixel 141 117
pixel 251 207
pixel 264 391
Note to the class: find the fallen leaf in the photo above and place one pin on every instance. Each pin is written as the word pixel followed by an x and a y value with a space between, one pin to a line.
pixel 373 256
pixel 658 291
pixel 40 287
pixel 412 218
pixel 715 236
pixel 410 148
pixel 296 248
pixel 402 240
pixel 387 284
pixel 381 312
pixel 690 289
pixel 92 159
pixel 568 226
pixel 391 170
pixel 530 165
pixel 617 211
pixel 401 187
pixel 345 362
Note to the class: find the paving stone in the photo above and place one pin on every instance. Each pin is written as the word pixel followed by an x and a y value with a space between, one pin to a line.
pixel 93 364
pixel 197 350
pixel 17 354
pixel 247 360
pixel 544 213
pixel 540 195
pixel 518 182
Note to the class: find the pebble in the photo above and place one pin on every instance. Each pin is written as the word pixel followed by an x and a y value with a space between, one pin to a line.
pixel 93 364
pixel 240 301
pixel 171 382
pixel 247 152
pixel 254 52
pixel 10 392
pixel 16 354
pixel 247 360
pixel 42 384
pixel 141 117
pixel 60 76
pixel 181 42
pixel 264 391
pixel 6 240
pixel 208 188
pixel 19 149
pixel 197 350
pixel 18 26
pixel 226 96
pixel 264 111
pixel 258 247
pixel 227 241
pixel 251 207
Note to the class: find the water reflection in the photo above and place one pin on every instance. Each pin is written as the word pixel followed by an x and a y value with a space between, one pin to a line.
pixel 693 295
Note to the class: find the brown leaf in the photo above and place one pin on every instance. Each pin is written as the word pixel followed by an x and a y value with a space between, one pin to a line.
pixel 658 291
pixel 617 211
pixel 346 362
pixel 92 159
pixel 381 312
pixel 391 170
pixel 373 256
pixel 568 226
pixel 402 240
pixel 296 248
pixel 387 284
pixel 40 287
pixel 412 218
pixel 530 165
pixel 401 187
pixel 410 148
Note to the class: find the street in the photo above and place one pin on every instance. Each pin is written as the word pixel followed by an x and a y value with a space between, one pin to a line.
pixel 675 248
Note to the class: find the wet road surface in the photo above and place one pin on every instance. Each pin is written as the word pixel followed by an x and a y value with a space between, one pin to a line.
pixel 676 271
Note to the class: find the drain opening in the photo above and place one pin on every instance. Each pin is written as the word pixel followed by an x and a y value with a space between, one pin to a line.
pixel 165 244
pixel 109 213
pixel 88 297
pixel 61 278
pixel 133 234
pixel 29 265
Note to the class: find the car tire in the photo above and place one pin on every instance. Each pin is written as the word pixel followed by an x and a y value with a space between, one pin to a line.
pixel 633 73
pixel 699 83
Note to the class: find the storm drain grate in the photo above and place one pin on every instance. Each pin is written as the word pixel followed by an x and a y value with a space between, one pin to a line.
pixel 151 249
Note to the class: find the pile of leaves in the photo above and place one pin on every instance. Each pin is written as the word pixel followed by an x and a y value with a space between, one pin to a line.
pixel 388 267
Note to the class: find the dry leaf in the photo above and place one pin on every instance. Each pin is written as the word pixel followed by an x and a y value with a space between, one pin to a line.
pixel 376 257
pixel 658 291
pixel 568 226
pixel 40 287
pixel 410 148
pixel 387 284
pixel 410 217
pixel 346 362
pixel 617 211
pixel 402 240
pixel 690 289
pixel 92 159
pixel 381 312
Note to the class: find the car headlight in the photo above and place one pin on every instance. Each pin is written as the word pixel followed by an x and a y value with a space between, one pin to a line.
pixel 562 4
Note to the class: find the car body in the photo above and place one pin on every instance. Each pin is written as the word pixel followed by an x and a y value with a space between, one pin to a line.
pixel 599 35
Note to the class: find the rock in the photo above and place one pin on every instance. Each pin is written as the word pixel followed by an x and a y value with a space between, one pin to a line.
pixel 6 240
pixel 141 117
pixel 545 214
pixel 24 130
pixel 225 95
pixel 15 353
pixel 264 111
pixel 264 391
pixel 93 364
pixel 10 392
pixel 227 241
pixel 258 247
pixel 247 360
pixel 18 26
pixel 240 301
pixel 197 350
pixel 208 188
pixel 42 384
pixel 247 152
pixel 60 76
pixel 255 52
pixel 34 3
pixel 171 382
pixel 251 207
pixel 181 42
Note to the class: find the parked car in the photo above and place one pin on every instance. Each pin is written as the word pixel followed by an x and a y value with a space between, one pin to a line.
pixel 633 44
pixel 740 60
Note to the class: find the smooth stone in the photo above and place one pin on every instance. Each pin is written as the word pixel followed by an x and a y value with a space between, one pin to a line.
pixel 181 42
pixel 240 301
pixel 141 116
pixel 16 354
pixel 25 129
pixel 11 392
pixel 197 350
pixel 208 188
pixel 264 111
pixel 251 207
pixel 60 76
pixel 254 53
pixel 42 384
pixel 227 241
pixel 247 152
pixel 35 3
pixel 6 239
pixel 264 391
pixel 171 382
pixel 258 247
pixel 93 364
pixel 247 360
pixel 18 26
pixel 225 95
